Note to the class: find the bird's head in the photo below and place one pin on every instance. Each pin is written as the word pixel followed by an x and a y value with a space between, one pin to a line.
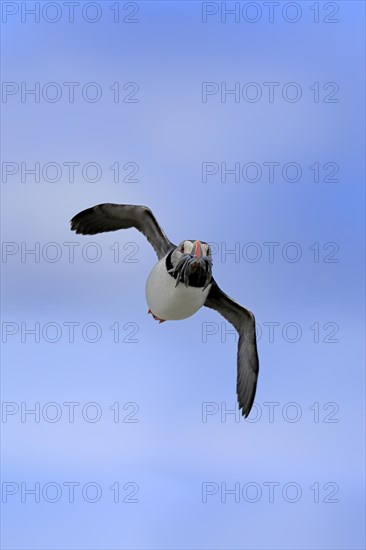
pixel 192 263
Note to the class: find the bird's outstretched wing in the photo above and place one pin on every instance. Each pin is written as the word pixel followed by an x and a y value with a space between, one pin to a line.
pixel 243 321
pixel 111 217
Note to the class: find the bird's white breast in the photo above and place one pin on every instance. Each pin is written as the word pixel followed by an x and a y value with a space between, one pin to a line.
pixel 169 302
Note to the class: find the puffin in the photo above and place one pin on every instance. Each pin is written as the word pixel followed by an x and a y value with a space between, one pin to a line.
pixel 180 283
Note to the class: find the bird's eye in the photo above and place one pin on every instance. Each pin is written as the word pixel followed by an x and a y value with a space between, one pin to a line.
pixel 182 247
pixel 208 251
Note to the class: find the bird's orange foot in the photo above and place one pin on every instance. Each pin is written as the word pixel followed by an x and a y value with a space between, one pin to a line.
pixel 155 317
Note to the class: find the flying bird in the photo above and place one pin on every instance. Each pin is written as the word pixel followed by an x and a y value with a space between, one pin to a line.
pixel 180 283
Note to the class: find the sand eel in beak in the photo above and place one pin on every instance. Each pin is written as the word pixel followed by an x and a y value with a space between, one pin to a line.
pixel 181 283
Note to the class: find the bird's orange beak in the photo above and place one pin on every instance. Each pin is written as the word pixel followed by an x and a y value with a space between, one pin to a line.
pixel 197 250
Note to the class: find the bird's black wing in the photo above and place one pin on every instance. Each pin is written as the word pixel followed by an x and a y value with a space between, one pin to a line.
pixel 111 217
pixel 243 321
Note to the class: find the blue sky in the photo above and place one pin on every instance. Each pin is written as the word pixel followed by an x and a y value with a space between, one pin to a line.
pixel 150 402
